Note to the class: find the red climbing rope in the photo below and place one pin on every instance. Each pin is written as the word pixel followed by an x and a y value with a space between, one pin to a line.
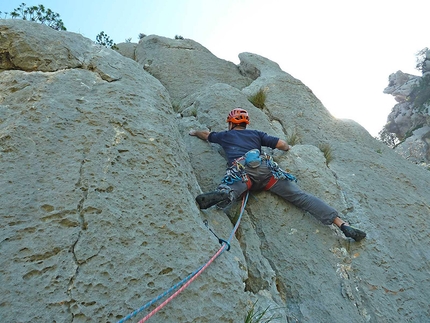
pixel 159 307
pixel 224 245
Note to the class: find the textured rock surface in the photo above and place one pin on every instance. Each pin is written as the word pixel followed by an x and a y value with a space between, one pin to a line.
pixel 87 227
pixel 127 49
pixel 169 60
pixel 403 117
pixel 99 176
pixel 409 123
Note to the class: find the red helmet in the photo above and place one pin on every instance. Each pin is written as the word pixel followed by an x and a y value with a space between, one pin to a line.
pixel 238 116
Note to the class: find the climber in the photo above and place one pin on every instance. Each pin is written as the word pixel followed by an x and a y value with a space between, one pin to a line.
pixel 250 170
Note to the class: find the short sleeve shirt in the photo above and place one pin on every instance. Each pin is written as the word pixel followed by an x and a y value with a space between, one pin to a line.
pixel 237 143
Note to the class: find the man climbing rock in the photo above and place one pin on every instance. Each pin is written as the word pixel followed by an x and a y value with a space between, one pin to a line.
pixel 250 170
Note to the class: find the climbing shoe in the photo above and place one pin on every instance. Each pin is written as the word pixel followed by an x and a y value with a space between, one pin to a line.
pixel 206 200
pixel 352 232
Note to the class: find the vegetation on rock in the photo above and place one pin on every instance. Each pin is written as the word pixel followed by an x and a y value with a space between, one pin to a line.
pixel 255 316
pixel 104 40
pixel 258 99
pixel 419 100
pixel 37 14
pixel 327 151
pixel 420 95
pixel 389 138
pixel 421 58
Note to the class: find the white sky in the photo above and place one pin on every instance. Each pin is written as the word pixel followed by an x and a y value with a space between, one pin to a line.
pixel 343 50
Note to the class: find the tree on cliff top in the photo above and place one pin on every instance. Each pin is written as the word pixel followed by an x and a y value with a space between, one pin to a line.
pixel 104 40
pixel 421 58
pixel 38 14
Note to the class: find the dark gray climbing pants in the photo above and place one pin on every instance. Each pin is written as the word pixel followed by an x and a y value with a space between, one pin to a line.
pixel 286 189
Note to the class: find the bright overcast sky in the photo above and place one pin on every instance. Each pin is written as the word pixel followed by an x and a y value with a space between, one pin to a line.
pixel 343 50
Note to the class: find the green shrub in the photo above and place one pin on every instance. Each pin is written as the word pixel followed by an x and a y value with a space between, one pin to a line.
pixel 421 58
pixel 294 138
pixel 328 154
pixel 388 138
pixel 420 95
pixel 257 317
pixel 104 40
pixel 258 99
pixel 38 14
pixel 176 106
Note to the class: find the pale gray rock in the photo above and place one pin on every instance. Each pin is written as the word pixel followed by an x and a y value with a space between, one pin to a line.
pixel 401 85
pixel 416 147
pixel 406 120
pixel 127 49
pixel 100 174
pixel 88 231
pixel 21 45
pixel 169 60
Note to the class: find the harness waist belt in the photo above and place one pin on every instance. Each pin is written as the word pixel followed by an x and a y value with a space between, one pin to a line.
pixel 272 182
pixel 248 182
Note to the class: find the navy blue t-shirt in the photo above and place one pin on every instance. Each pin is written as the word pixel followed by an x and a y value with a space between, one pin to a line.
pixel 237 143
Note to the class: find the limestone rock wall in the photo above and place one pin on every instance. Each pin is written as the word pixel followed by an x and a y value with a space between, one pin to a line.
pixel 99 178
pixel 169 60
pixel 97 194
pixel 408 122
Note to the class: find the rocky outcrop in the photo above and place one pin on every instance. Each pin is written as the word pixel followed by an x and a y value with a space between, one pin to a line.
pixel 99 178
pixel 169 61
pixel 408 121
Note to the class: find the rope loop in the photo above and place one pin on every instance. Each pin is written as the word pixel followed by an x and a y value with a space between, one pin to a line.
pixel 222 241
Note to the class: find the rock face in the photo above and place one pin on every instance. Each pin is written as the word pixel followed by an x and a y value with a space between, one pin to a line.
pixel 99 177
pixel 407 121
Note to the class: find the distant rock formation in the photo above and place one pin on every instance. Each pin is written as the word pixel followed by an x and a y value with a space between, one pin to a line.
pixel 99 176
pixel 409 122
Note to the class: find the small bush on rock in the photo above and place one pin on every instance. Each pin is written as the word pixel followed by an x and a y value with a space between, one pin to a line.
pixel 421 58
pixel 328 154
pixel 254 316
pixel 38 14
pixel 258 99
pixel 388 138
pixel 420 95
pixel 294 138
pixel 104 40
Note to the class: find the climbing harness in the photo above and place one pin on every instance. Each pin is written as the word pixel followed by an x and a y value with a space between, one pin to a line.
pixel 253 159
pixel 278 172
pixel 272 182
pixel 225 245
pixel 236 173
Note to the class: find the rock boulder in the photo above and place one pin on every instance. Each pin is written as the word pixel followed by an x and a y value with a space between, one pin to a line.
pixel 99 177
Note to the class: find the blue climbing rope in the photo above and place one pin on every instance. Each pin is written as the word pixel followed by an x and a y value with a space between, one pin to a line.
pixel 187 280
pixel 156 299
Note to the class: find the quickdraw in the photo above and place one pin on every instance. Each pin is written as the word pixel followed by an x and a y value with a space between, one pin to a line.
pixel 278 172
pixel 236 173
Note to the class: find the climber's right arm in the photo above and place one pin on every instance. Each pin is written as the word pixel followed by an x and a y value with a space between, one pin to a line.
pixel 282 145
pixel 202 134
